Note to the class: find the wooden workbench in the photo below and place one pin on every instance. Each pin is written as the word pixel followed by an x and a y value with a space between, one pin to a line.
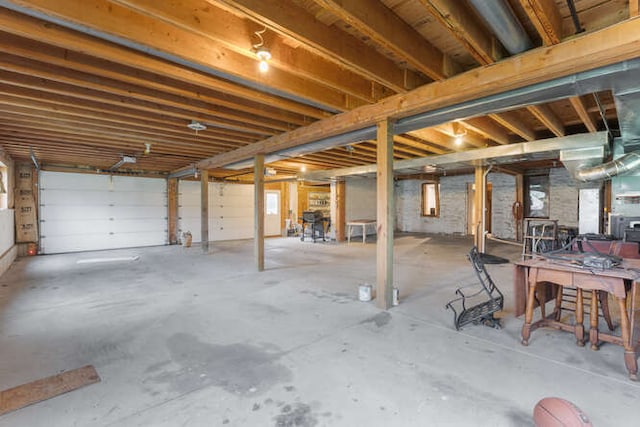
pixel 621 282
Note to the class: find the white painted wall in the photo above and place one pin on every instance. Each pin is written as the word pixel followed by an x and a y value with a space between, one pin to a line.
pixel 360 200
pixel 8 250
pixel 7 230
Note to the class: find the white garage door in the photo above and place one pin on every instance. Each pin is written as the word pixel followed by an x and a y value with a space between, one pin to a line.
pixel 230 210
pixel 83 212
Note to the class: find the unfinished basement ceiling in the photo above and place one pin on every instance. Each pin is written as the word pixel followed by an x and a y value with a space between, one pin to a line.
pixel 86 82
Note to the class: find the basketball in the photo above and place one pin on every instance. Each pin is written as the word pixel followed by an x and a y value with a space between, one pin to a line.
pixel 556 412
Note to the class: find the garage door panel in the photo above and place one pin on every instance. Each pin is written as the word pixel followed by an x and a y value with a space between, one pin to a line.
pixel 91 212
pixel 132 198
pixel 54 196
pixel 75 181
pixel 73 213
pixel 51 229
pixel 230 210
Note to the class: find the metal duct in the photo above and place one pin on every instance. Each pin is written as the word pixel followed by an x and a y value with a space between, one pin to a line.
pixel 625 164
pixel 505 25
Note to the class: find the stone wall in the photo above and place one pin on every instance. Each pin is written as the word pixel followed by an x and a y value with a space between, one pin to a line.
pixel 563 197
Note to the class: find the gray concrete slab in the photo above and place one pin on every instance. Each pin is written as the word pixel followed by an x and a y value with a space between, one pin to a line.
pixel 185 338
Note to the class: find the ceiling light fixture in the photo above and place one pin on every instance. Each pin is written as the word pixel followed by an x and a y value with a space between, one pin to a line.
pixel 459 132
pixel 147 148
pixel 196 125
pixel 263 54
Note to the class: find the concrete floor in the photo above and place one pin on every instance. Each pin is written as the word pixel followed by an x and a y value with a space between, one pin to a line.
pixel 182 338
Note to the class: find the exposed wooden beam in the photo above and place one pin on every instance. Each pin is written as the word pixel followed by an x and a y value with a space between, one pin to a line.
pixel 107 19
pixel 611 45
pixel 465 27
pixel 389 31
pixel 69 40
pixel 545 16
pixel 258 211
pixel 580 107
pixel 204 19
pixel 52 55
pixel 548 118
pixel 295 23
pixel 488 129
pixel 204 210
pixel 512 122
pixel 385 216
pixel 172 210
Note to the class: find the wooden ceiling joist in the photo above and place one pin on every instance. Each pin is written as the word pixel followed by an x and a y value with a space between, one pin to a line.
pixel 611 45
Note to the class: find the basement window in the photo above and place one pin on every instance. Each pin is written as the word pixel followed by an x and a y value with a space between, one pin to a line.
pixel 431 199
pixel 536 196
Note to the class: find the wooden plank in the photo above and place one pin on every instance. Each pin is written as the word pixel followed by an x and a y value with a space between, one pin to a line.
pixel 634 8
pixel 581 109
pixel 385 216
pixel 479 207
pixel 545 16
pixel 172 210
pixel 548 118
pixel 465 27
pixel 214 23
pixel 112 20
pixel 258 212
pixel 516 125
pixel 295 23
pixel 608 46
pixel 204 210
pixel 69 40
pixel 46 388
pixel 338 192
pixel 388 30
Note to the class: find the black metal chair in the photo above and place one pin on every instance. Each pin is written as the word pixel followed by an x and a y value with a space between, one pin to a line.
pixel 479 304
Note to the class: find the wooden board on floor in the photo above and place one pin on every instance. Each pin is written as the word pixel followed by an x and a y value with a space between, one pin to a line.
pixel 46 388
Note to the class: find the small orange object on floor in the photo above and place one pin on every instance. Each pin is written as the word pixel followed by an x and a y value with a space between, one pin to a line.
pixel 557 412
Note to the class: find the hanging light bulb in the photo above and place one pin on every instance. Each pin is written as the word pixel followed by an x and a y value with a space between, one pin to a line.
pixel 263 55
pixel 262 52
pixel 147 148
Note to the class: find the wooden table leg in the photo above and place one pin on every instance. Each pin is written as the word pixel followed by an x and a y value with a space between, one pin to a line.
pixel 630 355
pixel 593 326
pixel 528 314
pixel 579 326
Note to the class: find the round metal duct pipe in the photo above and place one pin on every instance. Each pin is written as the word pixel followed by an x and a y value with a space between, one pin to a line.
pixel 627 163
pixel 503 22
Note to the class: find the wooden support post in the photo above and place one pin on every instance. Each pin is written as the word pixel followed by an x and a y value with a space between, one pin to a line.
pixel 480 197
pixel 338 209
pixel 518 208
pixel 385 215
pixel 634 8
pixel 204 210
pixel 172 210
pixel 258 213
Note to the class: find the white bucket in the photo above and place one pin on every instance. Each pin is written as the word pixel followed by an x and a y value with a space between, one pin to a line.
pixel 364 292
pixel 396 296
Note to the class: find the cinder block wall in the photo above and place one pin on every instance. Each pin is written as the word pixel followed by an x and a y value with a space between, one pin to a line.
pixel 503 195
pixel 361 203
pixel 360 200
pixel 563 197
pixel 453 211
